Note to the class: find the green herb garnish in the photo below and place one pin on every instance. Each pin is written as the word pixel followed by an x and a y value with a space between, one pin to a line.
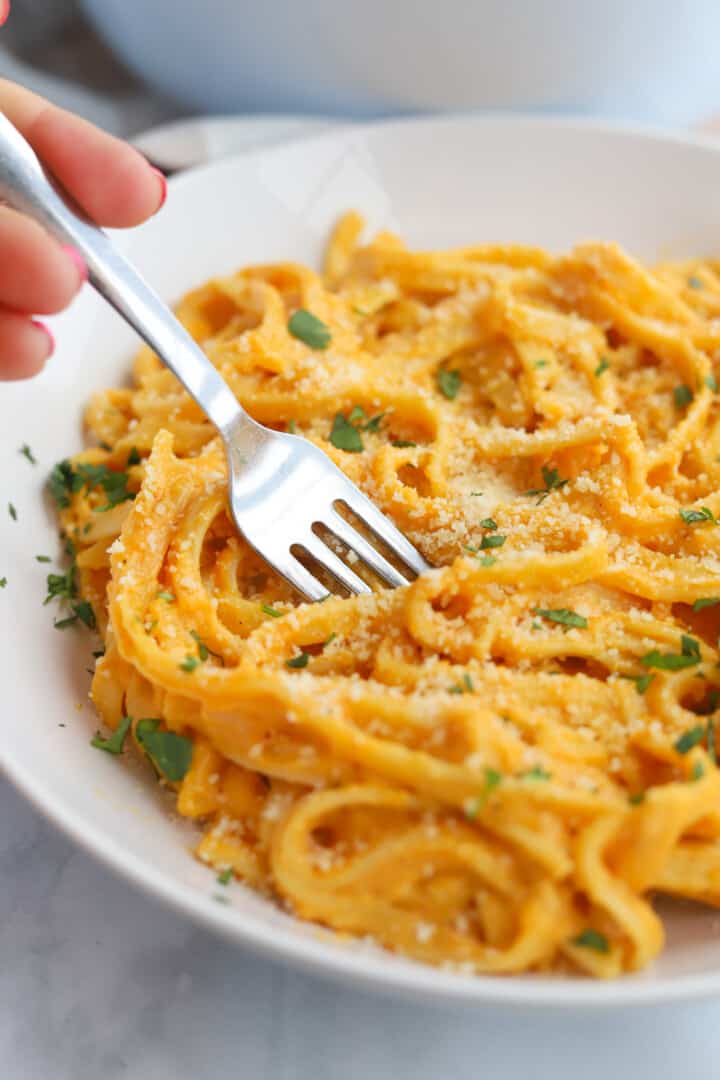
pixel 698 770
pixel 308 328
pixel 683 395
pixel 536 773
pixel 190 663
pixel 449 383
pixel 705 602
pixel 551 478
pixel 689 739
pixel 402 444
pixel 271 611
pixel 225 876
pixel 12 511
pixel 43 558
pixel 488 523
pixel 167 596
pixel 345 436
pixel 63 482
pixel 592 939
pixel 688 657
pixel 602 366
pixel 465 686
pixel 299 661
pixel 3 582
pixel 563 616
pixel 170 753
pixel 694 282
pixel 637 798
pixel 711 383
pixel 494 541
pixel 27 453
pixel 114 744
pixel 690 517
pixel 134 456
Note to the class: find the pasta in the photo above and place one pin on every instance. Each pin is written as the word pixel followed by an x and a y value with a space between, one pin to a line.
pixel 496 768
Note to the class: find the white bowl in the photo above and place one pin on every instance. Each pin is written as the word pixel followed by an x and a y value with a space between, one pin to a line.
pixel 649 59
pixel 439 183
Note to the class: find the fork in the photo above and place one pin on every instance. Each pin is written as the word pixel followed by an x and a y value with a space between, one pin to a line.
pixel 283 490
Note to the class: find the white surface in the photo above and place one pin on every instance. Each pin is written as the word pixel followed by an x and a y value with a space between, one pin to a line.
pixel 185 143
pixel 497 179
pixel 649 59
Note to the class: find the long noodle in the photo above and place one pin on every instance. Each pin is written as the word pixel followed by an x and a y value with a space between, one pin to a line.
pixel 496 767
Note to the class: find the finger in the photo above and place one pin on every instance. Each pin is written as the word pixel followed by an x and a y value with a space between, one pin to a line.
pixel 113 183
pixel 24 346
pixel 36 273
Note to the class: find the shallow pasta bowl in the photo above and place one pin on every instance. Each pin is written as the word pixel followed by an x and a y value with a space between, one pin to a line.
pixel 440 183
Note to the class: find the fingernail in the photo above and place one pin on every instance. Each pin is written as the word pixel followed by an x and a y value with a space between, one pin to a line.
pixel 74 254
pixel 48 332
pixel 4 11
pixel 163 187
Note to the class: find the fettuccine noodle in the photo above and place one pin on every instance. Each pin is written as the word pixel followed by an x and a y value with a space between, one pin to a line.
pixel 492 769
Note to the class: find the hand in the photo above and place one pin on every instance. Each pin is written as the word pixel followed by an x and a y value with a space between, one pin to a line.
pixel 110 180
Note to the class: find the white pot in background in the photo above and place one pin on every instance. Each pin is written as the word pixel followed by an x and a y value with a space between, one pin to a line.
pixel 654 60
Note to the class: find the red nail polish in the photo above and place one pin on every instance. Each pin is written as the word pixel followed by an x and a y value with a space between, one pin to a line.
pixel 74 254
pixel 163 186
pixel 4 11
pixel 48 332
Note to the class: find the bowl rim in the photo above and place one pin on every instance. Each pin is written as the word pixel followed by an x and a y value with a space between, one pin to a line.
pixel 325 957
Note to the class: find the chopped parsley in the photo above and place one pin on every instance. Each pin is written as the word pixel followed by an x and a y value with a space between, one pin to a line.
pixel 299 661
pixel 682 396
pixel 494 541
pixel 167 596
pixel 465 686
pixel 592 939
pixel 114 744
pixel 473 806
pixel 552 481
pixel 689 739
pixel 3 582
pixel 170 753
pixel 711 383
pixel 691 517
pixel 43 558
pixel 449 383
pixel 61 586
pixel 291 427
pixel 402 444
pixel 637 798
pixel 12 511
pixel 694 282
pixel 688 657
pixel 27 453
pixel 488 523
pixel 225 876
pixel 642 682
pixel 345 436
pixel 705 602
pixel 134 456
pixel 82 611
pixel 540 363
pixel 63 483
pixel 204 650
pixel 536 773
pixel 190 663
pixel 602 366
pixel 698 770
pixel 563 616
pixel 271 611
pixel 308 328
pixel 488 560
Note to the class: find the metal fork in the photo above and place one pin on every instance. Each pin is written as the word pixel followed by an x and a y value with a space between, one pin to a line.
pixel 282 488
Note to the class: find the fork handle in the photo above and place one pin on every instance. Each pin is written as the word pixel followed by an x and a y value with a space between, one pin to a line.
pixel 25 186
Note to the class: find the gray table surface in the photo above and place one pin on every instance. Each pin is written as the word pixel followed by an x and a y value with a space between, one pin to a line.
pixel 98 982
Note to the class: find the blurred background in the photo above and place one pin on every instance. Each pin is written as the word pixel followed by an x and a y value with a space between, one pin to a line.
pixel 130 66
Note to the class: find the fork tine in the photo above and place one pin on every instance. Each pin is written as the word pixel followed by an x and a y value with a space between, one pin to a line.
pixel 384 528
pixel 354 540
pixel 300 578
pixel 333 564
